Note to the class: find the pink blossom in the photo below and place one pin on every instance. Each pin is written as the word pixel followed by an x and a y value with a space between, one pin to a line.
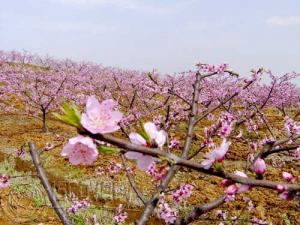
pixel 221 214
pixel 80 149
pixel 166 213
pixel 207 68
pixel 184 191
pixel 4 181
pixel 48 146
pixel 217 154
pixel 292 127
pixel 254 145
pixel 101 118
pixel 242 187
pixel 121 216
pixel 240 134
pixel 174 143
pixel 210 117
pixel 286 195
pixel 78 205
pixel 226 122
pixel 99 171
pixel 280 188
pixel 95 220
pixel 229 198
pixel 226 182
pixel 287 176
pixel 256 221
pixel 231 189
pixel 259 166
pixel 157 172
pixel 297 153
pixel 21 152
pixel 57 137
pixel 159 137
pixel 114 167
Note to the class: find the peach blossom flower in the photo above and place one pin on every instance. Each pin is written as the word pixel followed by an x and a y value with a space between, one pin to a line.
pixel 80 149
pixel 100 117
pixel 157 138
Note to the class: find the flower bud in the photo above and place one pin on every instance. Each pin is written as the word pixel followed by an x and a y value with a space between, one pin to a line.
pixel 260 166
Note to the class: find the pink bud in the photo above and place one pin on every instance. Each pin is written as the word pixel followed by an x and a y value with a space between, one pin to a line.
pixel 287 176
pixel 231 190
pixel 259 166
pixel 280 188
pixel 226 182
pixel 286 195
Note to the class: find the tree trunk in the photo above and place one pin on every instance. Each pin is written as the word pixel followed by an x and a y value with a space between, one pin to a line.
pixel 45 127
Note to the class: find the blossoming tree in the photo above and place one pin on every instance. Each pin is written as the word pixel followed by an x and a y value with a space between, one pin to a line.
pixel 194 120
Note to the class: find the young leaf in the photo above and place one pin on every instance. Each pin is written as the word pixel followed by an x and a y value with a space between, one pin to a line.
pixel 71 114
pixel 107 150
pixel 141 130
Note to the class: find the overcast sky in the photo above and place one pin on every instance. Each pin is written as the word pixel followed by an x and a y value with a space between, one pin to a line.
pixel 169 35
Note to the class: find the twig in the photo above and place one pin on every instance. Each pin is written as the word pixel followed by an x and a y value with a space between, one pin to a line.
pixel 200 210
pixel 132 183
pixel 44 180
pixel 222 103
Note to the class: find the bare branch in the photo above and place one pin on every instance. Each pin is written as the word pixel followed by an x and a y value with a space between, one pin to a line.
pixel 200 210
pixel 174 168
pixel 132 183
pixel 44 180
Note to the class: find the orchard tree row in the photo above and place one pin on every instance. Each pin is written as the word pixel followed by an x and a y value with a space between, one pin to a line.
pixel 186 122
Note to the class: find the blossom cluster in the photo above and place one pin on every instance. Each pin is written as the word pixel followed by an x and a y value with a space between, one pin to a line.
pixel 165 211
pixel 157 172
pixel 226 122
pixel 121 216
pixel 217 154
pixel 184 191
pixel 114 167
pixel 231 188
pixel 212 68
pixel 292 127
pixel 77 205
pixel 4 181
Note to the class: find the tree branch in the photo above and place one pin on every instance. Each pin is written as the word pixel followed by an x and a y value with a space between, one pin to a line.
pixel 200 210
pixel 44 180
pixel 132 183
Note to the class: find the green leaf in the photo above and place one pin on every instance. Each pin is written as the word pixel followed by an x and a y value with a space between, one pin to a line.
pixel 107 150
pixel 71 114
pixel 141 130
pixel 218 166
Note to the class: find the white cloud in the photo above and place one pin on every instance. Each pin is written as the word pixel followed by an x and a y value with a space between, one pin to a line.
pixel 283 21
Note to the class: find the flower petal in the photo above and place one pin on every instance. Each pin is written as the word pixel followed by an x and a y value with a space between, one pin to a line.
pixel 144 162
pixel 161 138
pixel 133 155
pixel 92 106
pixel 137 139
pixel 151 129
